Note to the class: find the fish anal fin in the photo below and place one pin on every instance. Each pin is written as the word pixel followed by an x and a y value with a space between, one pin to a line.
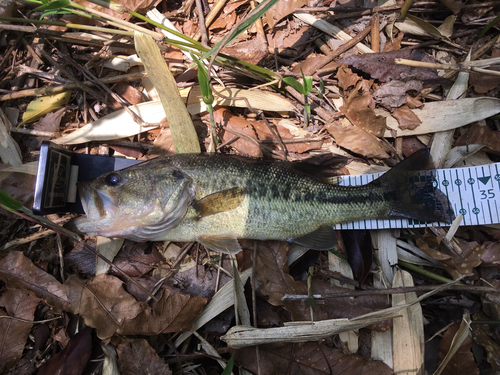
pixel 323 238
pixel 226 243
pixel 221 201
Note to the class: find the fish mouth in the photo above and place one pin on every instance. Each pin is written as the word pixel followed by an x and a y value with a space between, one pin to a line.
pixel 96 204
pixel 84 193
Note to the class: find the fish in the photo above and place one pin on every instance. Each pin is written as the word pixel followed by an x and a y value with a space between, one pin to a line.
pixel 217 199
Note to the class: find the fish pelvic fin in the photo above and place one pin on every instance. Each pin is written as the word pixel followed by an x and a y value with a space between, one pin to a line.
pixel 226 243
pixel 414 195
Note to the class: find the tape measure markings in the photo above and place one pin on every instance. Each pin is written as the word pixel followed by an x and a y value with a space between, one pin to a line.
pixel 472 192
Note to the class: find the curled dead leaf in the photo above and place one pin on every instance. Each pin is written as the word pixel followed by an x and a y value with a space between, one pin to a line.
pixel 357 140
pixel 407 119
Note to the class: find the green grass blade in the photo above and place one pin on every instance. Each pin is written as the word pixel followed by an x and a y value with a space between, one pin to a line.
pixel 8 202
pixel 204 81
pixel 489 26
pixel 295 84
pixel 229 367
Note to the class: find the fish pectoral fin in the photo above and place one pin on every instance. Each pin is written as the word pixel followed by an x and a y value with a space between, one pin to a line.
pixel 323 238
pixel 221 201
pixel 226 243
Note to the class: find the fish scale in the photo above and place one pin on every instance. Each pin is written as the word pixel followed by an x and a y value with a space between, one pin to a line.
pixel 217 199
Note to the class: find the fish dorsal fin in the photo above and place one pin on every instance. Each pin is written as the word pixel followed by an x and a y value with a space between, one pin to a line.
pixel 225 243
pixel 323 238
pixel 221 201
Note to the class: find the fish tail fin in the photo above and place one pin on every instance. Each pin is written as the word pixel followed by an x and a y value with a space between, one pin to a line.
pixel 414 195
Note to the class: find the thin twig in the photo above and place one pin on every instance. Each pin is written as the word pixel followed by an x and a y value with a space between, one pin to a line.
pixel 70 86
pixel 201 23
pixel 30 321
pixel 359 293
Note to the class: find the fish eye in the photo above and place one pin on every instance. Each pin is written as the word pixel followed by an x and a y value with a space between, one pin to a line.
pixel 113 179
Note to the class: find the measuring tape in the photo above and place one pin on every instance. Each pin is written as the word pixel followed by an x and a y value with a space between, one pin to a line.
pixel 473 192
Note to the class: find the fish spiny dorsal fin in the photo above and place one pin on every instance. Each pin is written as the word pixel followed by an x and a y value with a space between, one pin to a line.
pixel 221 201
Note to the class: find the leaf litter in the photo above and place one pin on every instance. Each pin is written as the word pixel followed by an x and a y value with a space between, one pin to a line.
pixel 370 108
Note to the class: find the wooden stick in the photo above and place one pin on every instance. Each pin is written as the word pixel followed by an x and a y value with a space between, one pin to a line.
pixel 375 32
pixel 211 16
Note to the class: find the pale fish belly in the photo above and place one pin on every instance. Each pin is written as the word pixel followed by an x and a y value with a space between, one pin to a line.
pixel 232 223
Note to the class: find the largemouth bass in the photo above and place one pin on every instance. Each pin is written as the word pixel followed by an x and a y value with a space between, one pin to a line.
pixel 217 199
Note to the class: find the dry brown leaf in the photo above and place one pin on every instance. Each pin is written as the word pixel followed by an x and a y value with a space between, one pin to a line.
pixel 413 102
pixel 359 109
pixel 349 307
pixel 283 9
pixel 406 117
pixel 201 280
pixel 137 259
pixel 226 119
pixel 259 131
pixel 73 358
pixel 225 21
pixel 346 77
pixel 456 265
pixel 127 92
pixel 271 271
pixel 102 302
pixel 463 361
pixel 394 44
pixel 481 135
pixel 51 121
pixel 20 187
pixel 174 312
pixel 411 145
pixel 295 39
pixel 17 304
pixel 382 66
pixel 357 140
pixel 483 83
pixel 17 271
pixel 481 336
pixel 393 94
pixel 251 51
pixel 137 357
pixel 82 258
pixel 309 359
pixel 491 254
